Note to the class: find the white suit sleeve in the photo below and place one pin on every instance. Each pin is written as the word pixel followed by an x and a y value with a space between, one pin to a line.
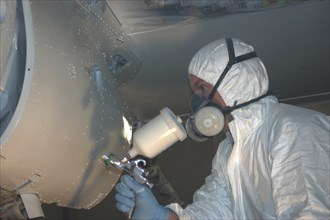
pixel 213 200
pixel 300 182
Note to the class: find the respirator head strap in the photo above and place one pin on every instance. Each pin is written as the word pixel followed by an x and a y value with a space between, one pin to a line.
pixel 228 110
pixel 246 56
pixel 231 61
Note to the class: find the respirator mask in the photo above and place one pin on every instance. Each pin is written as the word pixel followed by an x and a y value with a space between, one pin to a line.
pixel 207 118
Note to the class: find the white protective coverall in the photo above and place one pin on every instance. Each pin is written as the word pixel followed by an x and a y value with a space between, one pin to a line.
pixel 278 165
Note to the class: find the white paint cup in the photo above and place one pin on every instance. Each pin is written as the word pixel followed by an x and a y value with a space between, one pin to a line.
pixel 158 135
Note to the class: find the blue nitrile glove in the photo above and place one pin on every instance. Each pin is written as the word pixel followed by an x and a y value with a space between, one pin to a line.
pixel 130 194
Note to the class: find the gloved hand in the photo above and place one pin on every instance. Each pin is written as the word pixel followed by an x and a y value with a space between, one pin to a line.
pixel 130 194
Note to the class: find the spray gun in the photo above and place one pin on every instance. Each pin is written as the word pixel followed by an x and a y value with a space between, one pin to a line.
pixel 150 140
pixel 130 166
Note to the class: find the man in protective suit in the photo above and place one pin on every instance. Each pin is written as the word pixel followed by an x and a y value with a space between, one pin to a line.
pixel 274 163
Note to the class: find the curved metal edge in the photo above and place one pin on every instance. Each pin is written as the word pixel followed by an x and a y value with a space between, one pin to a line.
pixel 29 66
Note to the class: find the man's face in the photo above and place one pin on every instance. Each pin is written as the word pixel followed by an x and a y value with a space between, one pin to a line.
pixel 203 89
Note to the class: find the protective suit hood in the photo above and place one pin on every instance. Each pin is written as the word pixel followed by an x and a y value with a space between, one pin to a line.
pixel 244 81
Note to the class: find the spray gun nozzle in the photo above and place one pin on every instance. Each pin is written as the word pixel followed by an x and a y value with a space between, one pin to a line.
pixel 115 161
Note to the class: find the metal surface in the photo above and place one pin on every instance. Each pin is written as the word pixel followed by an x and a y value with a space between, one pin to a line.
pixel 68 114
pixel 121 54
pixel 12 47
pixel 7 27
pixel 293 43
pixel 144 16
pixel 78 53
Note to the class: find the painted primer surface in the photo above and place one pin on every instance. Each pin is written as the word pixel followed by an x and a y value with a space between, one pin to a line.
pixel 69 113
